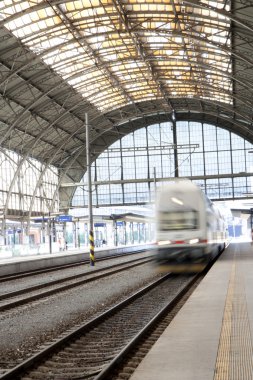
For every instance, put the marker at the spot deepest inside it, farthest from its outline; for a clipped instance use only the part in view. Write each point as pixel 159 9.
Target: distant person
pixel 252 236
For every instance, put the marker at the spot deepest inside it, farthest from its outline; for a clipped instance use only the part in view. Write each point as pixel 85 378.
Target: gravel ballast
pixel 27 328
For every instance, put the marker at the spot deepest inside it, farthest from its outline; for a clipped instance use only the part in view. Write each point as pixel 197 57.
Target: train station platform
pixel 211 336
pixel 23 264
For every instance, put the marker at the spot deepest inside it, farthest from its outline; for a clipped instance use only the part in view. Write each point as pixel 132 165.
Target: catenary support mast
pixel 91 233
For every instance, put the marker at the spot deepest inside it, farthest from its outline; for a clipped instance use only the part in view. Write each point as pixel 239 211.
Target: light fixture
pixel 177 201
pixel 164 242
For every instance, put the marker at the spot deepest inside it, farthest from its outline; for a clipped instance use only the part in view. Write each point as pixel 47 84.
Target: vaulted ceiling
pixel 127 64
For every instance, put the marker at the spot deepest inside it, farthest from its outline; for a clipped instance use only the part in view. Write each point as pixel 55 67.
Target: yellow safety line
pixel 235 353
pixel 223 357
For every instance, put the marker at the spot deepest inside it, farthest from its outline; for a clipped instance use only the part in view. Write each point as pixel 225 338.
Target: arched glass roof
pixel 126 64
pixel 118 52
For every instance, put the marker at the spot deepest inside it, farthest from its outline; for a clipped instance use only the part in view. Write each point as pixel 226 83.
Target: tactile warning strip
pixel 235 352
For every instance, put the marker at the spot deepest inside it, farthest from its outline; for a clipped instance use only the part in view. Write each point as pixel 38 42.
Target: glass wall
pixel 27 185
pixel 214 158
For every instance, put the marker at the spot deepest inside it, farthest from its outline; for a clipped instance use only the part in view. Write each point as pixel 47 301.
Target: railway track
pixel 25 295
pixel 92 350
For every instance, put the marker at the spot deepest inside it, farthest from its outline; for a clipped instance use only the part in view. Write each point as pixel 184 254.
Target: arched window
pixel 214 158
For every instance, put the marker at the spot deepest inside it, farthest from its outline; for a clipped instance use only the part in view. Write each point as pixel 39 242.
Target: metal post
pixel 74 233
pixel 154 180
pixel 132 232
pixel 4 230
pixel 50 233
pixel 125 233
pixel 64 236
pixel 116 233
pixel 43 230
pixel 91 234
pixel 78 234
pixel 174 128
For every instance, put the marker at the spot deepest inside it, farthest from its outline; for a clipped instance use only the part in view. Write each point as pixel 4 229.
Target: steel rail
pixel 18 371
pixel 34 272
pixel 108 371
pixel 34 297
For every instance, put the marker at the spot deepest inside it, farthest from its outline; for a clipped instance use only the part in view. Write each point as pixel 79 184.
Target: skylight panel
pixel 88 39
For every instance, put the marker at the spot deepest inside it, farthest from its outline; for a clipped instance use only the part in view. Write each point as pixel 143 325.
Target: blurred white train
pixel 190 230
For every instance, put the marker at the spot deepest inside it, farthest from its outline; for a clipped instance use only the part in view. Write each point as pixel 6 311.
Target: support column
pixel 43 230
pixel 125 233
pixel 4 230
pixel 91 233
pixel 78 233
pixel 74 234
pixel 132 232
pixel 49 233
pixel 174 128
pixel 116 233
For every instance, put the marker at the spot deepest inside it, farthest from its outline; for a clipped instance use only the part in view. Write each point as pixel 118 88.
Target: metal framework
pixel 129 172
pixel 128 64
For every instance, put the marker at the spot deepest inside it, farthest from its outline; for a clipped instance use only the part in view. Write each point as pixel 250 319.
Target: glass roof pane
pixel 129 50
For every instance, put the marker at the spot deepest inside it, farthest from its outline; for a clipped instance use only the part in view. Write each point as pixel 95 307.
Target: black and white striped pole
pixel 91 234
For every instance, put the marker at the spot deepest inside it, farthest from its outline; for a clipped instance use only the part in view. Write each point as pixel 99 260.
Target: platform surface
pixel 21 264
pixel 211 336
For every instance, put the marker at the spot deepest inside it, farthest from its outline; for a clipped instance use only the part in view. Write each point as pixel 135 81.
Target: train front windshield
pixel 182 220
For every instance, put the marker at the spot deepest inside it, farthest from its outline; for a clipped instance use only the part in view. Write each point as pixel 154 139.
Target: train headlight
pixel 193 241
pixel 164 242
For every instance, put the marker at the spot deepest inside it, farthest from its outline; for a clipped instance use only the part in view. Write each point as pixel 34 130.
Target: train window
pixel 183 220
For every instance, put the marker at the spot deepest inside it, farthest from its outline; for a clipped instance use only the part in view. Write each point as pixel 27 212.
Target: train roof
pixel 180 184
pixel 180 193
